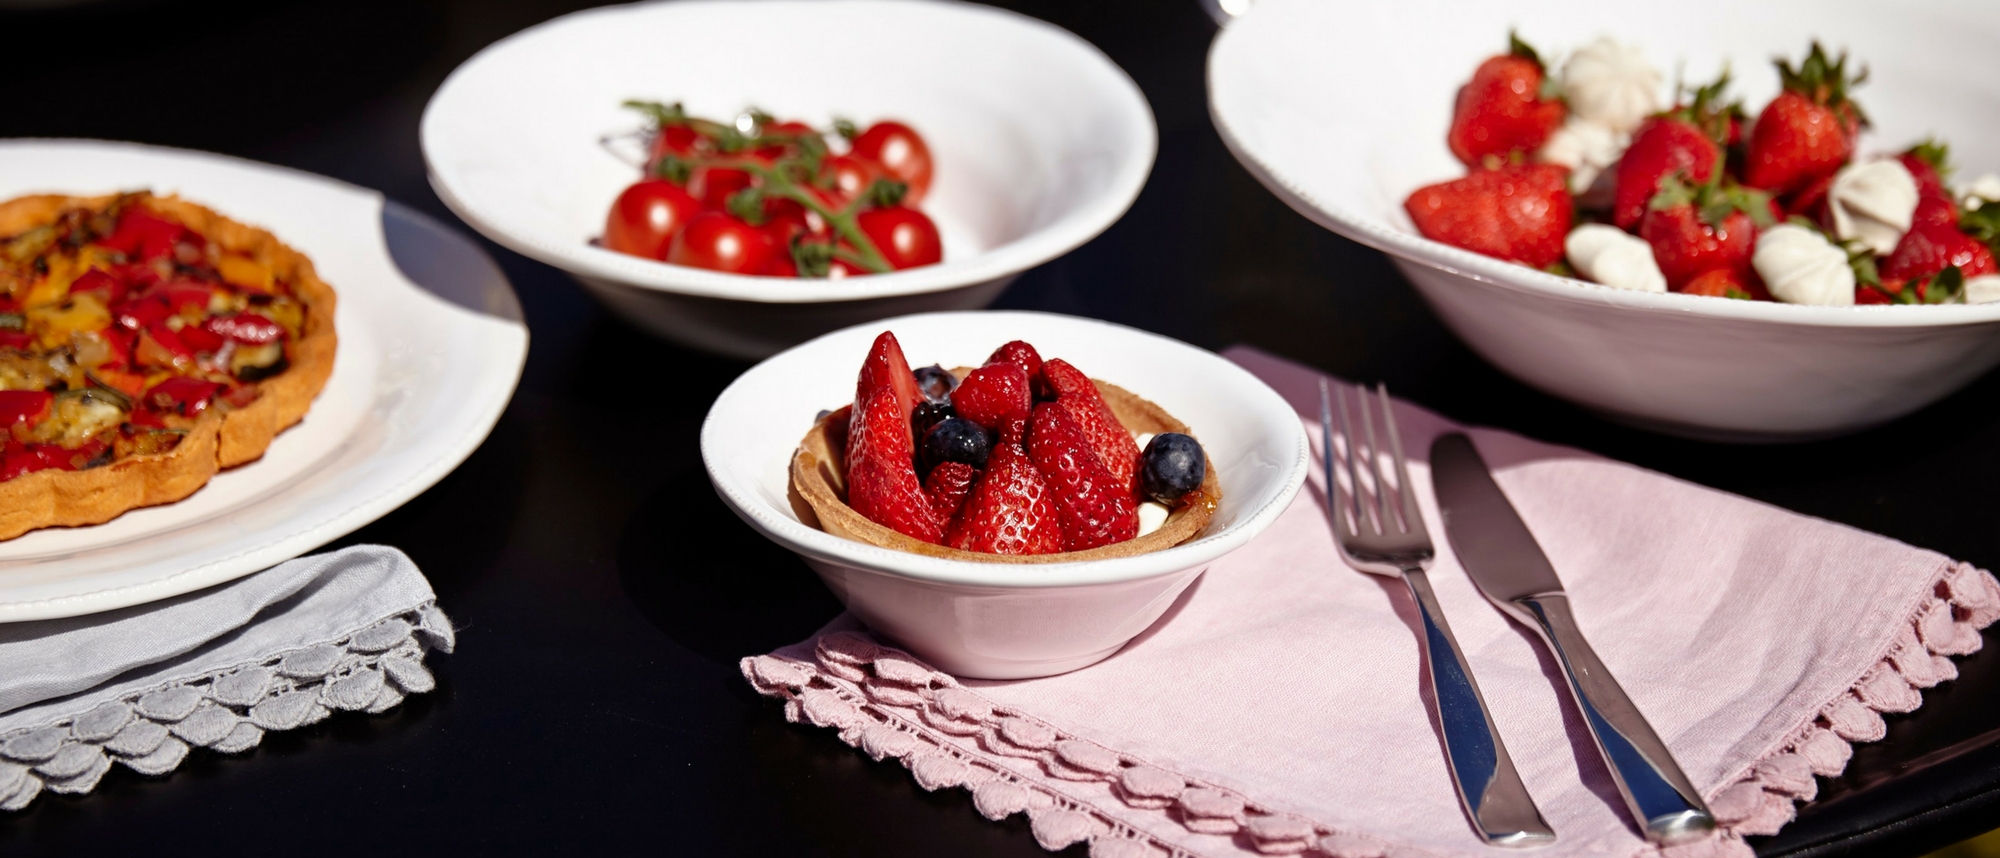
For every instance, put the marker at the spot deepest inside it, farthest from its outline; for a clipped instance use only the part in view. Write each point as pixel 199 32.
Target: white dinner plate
pixel 431 345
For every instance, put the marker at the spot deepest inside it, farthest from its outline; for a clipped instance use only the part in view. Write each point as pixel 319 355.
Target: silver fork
pixel 1386 536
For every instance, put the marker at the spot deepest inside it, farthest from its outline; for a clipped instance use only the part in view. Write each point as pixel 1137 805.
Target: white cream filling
pixel 1609 82
pixel 1611 256
pixel 1151 515
pixel 1801 267
pixel 1873 202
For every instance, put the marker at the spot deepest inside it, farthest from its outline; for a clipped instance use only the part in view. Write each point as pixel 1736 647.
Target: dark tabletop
pixel 605 594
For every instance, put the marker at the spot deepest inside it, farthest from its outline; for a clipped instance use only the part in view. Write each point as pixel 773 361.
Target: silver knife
pixel 1503 559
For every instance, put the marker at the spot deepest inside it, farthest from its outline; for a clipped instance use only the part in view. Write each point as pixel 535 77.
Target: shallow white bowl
pixel 990 620
pixel 1040 141
pixel 1341 110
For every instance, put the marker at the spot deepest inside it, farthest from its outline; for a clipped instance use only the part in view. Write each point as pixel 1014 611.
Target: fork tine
pixel 1413 520
pixel 1383 509
pixel 1355 490
pixel 1335 505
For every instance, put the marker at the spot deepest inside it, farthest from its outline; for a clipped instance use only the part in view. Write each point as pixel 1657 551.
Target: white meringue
pixel 1801 266
pixel 1587 147
pixel 1984 289
pixel 1612 83
pixel 1873 202
pixel 1611 256
pixel 1985 189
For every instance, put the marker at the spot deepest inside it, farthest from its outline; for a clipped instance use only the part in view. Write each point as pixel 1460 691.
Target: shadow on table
pixel 702 576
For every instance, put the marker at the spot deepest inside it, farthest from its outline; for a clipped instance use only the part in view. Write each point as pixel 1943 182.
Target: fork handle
pixel 1656 791
pixel 1488 786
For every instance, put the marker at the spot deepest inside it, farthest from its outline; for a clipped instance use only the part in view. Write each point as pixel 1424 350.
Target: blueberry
pixel 926 415
pixel 1172 466
pixel 935 382
pixel 956 439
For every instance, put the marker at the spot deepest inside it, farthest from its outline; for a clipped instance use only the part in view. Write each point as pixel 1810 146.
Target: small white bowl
pixel 1345 135
pixel 1040 142
pixel 992 620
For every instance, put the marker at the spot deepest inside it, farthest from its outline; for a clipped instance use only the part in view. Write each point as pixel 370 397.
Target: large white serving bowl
pixel 992 620
pixel 1040 142
pixel 1341 109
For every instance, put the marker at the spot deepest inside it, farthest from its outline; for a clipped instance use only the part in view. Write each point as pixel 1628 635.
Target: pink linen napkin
pixel 1278 707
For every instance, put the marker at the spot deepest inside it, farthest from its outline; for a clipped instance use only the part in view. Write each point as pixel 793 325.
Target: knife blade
pixel 1499 553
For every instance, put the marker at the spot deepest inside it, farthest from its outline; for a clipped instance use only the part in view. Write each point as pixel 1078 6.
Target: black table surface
pixel 605 594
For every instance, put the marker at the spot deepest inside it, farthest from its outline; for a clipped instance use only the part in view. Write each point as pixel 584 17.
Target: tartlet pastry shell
pixel 217 439
pixel 819 488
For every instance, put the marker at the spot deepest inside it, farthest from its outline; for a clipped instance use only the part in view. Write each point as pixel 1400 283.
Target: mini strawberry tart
pixel 1584 171
pixel 1018 461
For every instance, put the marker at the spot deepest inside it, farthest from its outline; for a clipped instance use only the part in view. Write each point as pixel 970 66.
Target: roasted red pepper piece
pixel 19 340
pixel 140 313
pixel 179 295
pixel 95 280
pixel 245 328
pixel 19 459
pixel 160 347
pixel 24 407
pixel 181 395
pixel 201 340
pixel 142 234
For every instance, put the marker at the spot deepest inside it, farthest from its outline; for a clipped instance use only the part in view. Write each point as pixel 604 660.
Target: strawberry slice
pixel 949 484
pixel 1095 507
pixel 1108 439
pixel 881 472
pixel 992 394
pixel 1011 510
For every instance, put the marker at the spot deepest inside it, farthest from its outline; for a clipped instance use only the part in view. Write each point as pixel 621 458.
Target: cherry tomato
pixel 719 242
pixel 646 217
pixel 714 185
pixel 781 264
pixel 902 153
pixel 906 237
pixel 677 140
pixel 850 176
pixel 790 128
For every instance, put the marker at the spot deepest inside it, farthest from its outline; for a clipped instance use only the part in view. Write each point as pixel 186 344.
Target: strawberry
pixel 1721 283
pixel 881 473
pixel 1021 354
pixel 949 484
pixel 1808 131
pixel 1698 229
pixel 1011 510
pixel 1520 213
pixel 1508 107
pixel 1929 248
pixel 1929 162
pixel 1095 507
pixel 992 394
pixel 1683 140
pixel 1108 438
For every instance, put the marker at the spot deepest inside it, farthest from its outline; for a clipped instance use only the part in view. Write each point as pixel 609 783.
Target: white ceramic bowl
pixel 1341 109
pixel 1040 143
pixel 991 620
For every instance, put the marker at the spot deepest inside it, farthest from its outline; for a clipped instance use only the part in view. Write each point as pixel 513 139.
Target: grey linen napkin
pixel 215 668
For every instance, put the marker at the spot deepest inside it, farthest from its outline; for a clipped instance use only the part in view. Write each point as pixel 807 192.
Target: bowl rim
pixel 816 544
pixel 1379 234
pixel 1122 99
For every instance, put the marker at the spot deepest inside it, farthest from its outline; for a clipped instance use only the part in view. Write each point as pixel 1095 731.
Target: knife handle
pixel 1488 786
pixel 1657 792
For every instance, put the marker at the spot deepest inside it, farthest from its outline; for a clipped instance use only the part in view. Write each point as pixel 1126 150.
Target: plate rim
pixel 257 553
